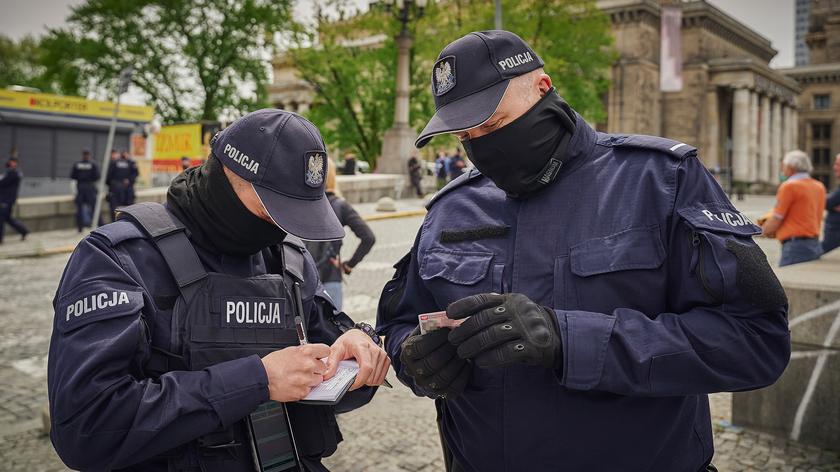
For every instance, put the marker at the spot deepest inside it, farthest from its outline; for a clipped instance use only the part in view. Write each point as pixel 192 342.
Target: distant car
pixel 362 167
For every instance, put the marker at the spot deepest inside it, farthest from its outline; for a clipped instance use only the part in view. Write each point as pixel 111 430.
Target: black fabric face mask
pixel 203 199
pixel 525 155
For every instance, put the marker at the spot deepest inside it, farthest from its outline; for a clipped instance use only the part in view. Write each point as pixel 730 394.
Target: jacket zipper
pixel 701 267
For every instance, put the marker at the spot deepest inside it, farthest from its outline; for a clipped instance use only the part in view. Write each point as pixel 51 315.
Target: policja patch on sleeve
pixel 80 308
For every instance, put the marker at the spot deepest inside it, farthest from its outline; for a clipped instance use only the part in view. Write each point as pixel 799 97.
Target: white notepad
pixel 330 391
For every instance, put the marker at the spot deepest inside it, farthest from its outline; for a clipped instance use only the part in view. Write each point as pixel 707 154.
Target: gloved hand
pixel 434 364
pixel 505 329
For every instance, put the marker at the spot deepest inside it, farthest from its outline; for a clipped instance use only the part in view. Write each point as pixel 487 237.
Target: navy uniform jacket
pixel 122 169
pixel 9 185
pixel 106 413
pixel 659 292
pixel 85 172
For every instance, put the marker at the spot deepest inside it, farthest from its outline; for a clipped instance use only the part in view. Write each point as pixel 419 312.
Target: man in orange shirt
pixel 798 213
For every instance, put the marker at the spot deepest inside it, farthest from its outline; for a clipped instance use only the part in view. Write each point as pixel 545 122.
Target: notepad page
pixel 329 390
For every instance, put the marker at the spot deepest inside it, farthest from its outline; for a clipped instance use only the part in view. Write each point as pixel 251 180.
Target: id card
pixel 272 442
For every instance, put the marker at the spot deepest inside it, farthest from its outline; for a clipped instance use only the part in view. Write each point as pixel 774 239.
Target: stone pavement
pixel 395 433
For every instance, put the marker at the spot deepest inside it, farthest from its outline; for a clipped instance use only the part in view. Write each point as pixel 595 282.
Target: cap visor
pixel 313 220
pixel 463 114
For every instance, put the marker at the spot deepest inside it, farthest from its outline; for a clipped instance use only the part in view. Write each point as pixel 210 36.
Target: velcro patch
pixel 718 216
pixel 77 311
pixel 474 234
pixel 253 312
pixel 755 278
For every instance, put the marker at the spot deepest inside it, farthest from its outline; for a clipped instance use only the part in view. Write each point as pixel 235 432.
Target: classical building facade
pixel 738 112
pixel 819 103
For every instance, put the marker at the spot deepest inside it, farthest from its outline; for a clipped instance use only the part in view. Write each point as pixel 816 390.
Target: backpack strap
pixel 171 240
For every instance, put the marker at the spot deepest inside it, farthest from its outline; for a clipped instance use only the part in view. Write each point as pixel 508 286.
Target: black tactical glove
pixel 434 364
pixel 504 330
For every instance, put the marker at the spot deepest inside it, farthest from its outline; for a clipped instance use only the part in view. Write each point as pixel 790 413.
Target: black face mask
pixel 203 199
pixel 525 155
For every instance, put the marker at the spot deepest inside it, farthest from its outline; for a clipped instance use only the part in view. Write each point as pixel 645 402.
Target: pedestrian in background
pixel 121 175
pixel 349 164
pixel 457 165
pixel 441 167
pixel 798 213
pixel 327 254
pixel 831 236
pixel 186 163
pixel 86 174
pixel 9 186
pixel 132 178
pixel 415 174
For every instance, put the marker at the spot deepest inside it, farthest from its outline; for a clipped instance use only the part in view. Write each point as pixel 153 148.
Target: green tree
pixel 25 63
pixel 194 59
pixel 355 84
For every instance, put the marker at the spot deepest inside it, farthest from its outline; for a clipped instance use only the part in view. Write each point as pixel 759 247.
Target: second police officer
pixel 122 173
pixel 607 283
pixel 86 175
pixel 175 323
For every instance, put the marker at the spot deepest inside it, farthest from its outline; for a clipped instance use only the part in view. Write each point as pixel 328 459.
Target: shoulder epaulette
pixel 668 146
pixel 459 181
pixel 119 231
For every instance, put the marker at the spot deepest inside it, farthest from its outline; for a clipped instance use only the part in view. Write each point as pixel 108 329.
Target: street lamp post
pixel 122 86
pixel 398 141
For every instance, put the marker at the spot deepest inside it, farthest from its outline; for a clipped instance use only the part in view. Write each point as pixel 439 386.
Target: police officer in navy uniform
pixel 122 172
pixel 86 175
pixel 605 283
pixel 176 322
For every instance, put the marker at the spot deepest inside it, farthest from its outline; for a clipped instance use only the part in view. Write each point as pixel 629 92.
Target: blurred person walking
pixel 327 254
pixel 9 186
pixel 795 220
pixel 457 165
pixel 86 174
pixel 349 167
pixel 441 169
pixel 415 174
pixel 831 237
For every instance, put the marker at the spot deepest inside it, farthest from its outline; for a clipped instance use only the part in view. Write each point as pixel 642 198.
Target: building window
pixel 822 101
pixel 821 131
pixel 821 156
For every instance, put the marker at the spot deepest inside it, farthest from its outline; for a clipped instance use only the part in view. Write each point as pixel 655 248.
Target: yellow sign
pixel 77 106
pixel 176 141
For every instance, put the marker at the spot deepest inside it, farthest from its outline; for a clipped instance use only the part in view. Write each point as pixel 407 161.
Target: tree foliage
pixel 193 59
pixel 354 84
pixel 26 63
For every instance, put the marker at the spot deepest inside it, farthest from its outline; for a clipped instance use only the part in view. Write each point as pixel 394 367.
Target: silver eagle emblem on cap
pixel 315 170
pixel 444 75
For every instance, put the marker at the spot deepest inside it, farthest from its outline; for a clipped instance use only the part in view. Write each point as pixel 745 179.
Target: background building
pixel 707 83
pixel 803 15
pixel 49 132
pixel 819 123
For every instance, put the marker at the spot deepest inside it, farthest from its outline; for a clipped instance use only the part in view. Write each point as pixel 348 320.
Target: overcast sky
pixel 773 19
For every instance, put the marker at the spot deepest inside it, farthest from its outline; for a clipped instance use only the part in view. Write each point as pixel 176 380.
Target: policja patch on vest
pixel 443 75
pixel 253 312
pixel 315 168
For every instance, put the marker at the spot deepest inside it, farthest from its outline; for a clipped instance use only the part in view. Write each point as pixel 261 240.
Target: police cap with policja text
pixel 283 156
pixel 470 78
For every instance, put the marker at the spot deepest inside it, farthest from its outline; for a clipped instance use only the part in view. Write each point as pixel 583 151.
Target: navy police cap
pixel 283 156
pixel 470 77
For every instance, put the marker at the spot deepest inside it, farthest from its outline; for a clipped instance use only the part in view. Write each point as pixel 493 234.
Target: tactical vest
pixel 219 317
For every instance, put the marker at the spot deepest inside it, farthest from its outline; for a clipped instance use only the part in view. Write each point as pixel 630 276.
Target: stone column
pixel 776 131
pixel 794 127
pixel 398 141
pixel 711 152
pixel 764 166
pixel 787 134
pixel 752 150
pixel 740 134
